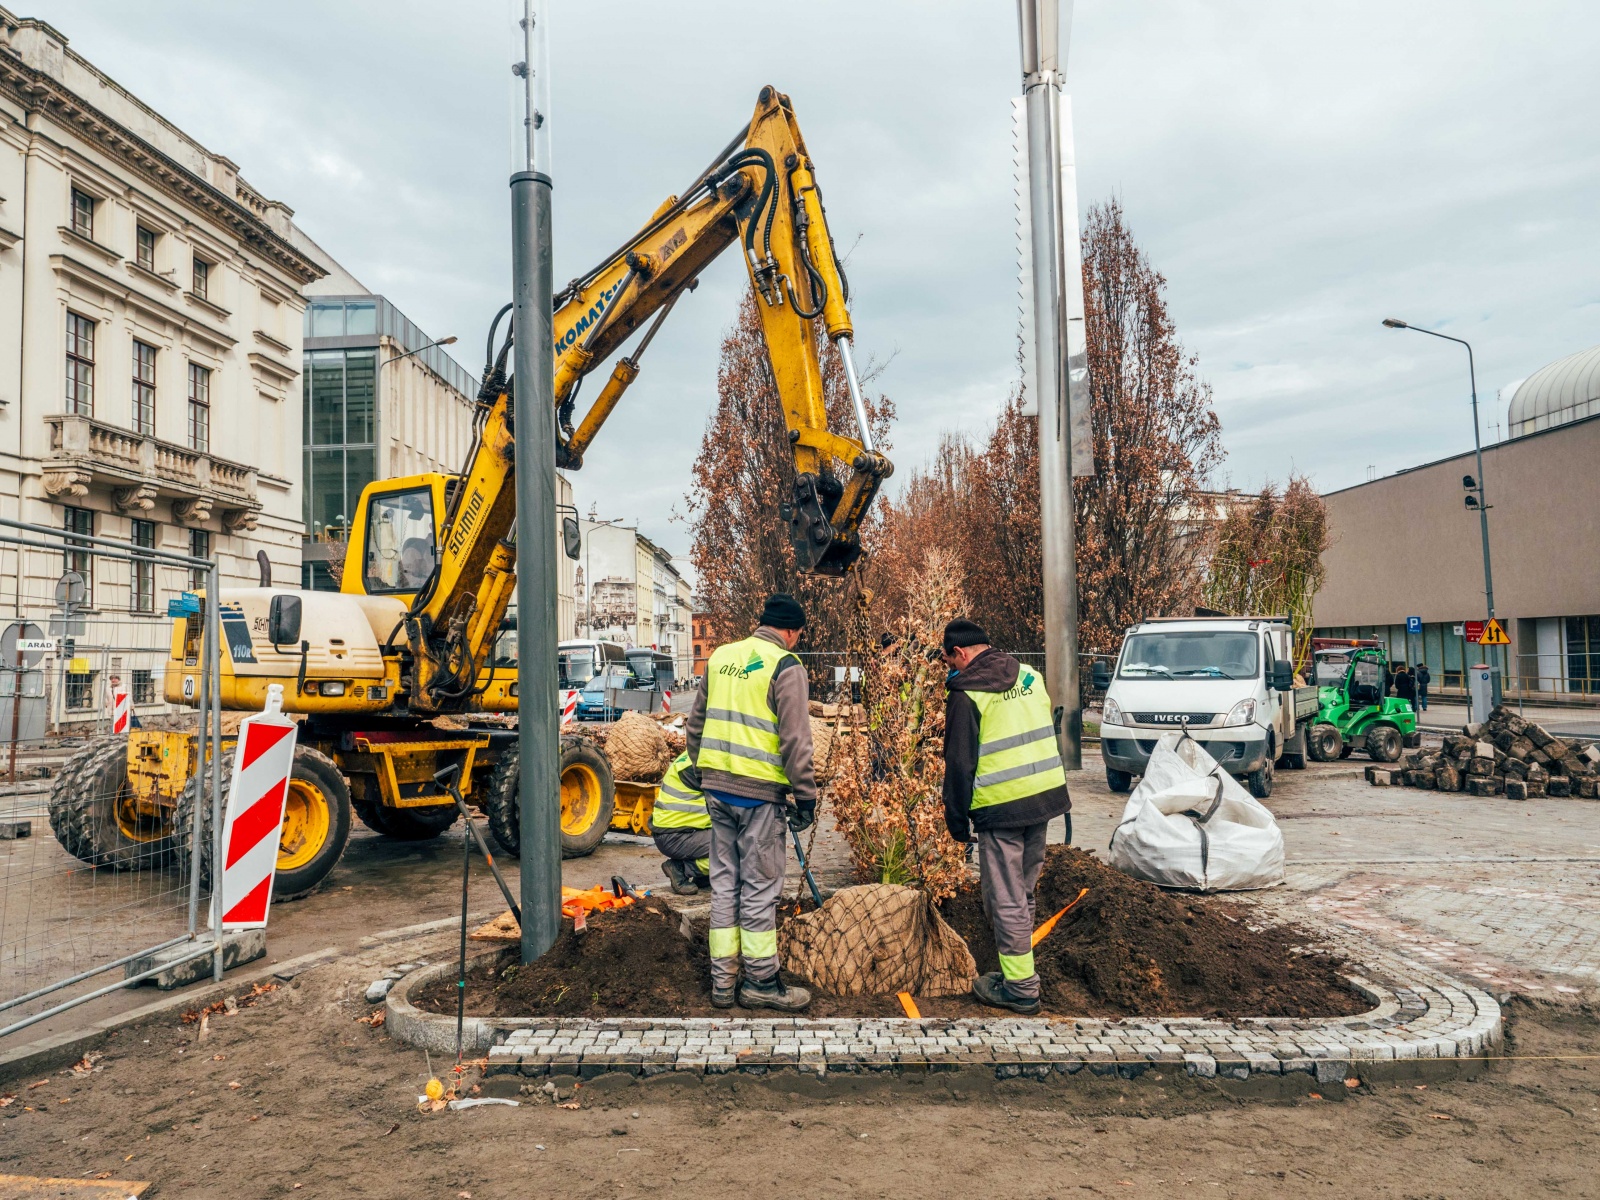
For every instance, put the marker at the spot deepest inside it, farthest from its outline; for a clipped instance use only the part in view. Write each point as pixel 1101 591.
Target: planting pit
pixel 1127 949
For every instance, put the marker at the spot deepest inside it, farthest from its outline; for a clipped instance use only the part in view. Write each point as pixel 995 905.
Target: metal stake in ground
pixel 461 975
pixel 447 779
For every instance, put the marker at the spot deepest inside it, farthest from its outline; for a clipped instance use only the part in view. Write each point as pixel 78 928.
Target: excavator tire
pixel 316 823
pixel 588 798
pixel 406 824
pixel 92 816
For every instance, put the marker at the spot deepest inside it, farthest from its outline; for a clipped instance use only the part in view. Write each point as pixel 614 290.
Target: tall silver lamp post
pixel 539 731
pixel 1041 27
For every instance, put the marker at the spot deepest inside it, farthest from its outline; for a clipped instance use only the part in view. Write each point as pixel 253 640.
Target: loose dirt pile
pixel 1126 949
pixel 1130 949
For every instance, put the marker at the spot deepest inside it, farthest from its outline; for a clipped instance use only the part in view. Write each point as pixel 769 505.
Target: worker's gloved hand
pixel 691 777
pixel 802 817
pixel 961 832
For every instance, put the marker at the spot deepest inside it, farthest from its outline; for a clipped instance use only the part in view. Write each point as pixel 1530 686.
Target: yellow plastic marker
pixel 910 1005
pixel 1040 933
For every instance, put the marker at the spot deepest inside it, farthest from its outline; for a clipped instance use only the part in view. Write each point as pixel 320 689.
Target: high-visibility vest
pixel 1018 754
pixel 678 806
pixel 741 731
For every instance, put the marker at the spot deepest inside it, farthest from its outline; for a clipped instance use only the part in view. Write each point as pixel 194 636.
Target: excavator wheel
pixel 315 830
pixel 588 798
pixel 93 816
pixel 404 824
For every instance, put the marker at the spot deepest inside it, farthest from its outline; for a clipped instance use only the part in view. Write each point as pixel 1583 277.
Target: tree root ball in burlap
pixel 877 939
pixel 638 749
pixel 822 741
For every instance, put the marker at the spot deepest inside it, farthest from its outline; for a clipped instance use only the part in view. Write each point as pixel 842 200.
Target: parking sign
pixel 1413 624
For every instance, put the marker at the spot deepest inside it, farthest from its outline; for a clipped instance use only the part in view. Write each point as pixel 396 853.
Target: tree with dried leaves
pixel 1268 558
pixel 1143 517
pixel 888 781
pixel 745 470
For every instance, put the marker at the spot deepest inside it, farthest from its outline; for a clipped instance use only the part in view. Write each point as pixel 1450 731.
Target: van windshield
pixel 1191 654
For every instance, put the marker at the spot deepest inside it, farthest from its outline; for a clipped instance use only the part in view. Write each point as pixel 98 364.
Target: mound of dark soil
pixel 1130 949
pixel 1127 949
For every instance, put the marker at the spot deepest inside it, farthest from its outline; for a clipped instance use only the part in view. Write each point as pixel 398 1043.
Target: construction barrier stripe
pixel 261 820
pixel 1009 773
pixel 253 908
pixel 260 739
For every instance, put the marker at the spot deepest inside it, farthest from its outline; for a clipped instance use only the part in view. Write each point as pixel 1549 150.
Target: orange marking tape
pixel 1040 933
pixel 910 1005
pixel 595 899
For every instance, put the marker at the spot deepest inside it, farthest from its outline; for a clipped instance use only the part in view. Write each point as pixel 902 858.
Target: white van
pixel 1228 680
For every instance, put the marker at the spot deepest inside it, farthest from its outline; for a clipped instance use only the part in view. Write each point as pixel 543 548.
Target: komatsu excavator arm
pixel 760 192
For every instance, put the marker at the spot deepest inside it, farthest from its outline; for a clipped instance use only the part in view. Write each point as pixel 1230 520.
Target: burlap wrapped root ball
pixel 877 939
pixel 638 749
pixel 822 742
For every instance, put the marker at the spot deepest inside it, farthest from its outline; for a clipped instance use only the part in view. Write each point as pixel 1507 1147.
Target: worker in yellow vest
pixel 682 830
pixel 1003 782
pixel 749 738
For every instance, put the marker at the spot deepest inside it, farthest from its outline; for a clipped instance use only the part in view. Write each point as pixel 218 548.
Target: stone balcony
pixel 137 469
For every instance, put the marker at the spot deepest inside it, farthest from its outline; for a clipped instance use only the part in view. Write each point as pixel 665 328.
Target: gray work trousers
pixel 748 857
pixel 1009 862
pixel 689 846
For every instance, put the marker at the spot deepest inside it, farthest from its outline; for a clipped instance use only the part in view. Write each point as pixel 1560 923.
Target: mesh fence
pixel 95 869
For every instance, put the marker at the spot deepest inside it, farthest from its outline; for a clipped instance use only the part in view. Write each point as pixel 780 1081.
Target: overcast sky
pixel 1296 171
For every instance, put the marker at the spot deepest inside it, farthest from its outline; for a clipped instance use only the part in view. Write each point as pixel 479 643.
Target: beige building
pixel 150 317
pixel 1407 546
pixel 639 598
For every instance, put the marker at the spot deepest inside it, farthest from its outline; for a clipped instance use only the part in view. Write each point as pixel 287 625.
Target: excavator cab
pixel 394 540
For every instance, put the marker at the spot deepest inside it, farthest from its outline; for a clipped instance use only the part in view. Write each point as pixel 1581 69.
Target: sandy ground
pixel 294 1097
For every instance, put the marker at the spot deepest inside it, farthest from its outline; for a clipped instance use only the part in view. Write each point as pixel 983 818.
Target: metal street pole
pixel 1477 450
pixel 539 730
pixel 1041 27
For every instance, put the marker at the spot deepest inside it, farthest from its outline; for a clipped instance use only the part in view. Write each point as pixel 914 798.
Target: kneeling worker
pixel 749 738
pixel 682 829
pixel 1003 779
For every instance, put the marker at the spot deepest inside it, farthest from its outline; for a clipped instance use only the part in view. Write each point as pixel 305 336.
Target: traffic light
pixel 69 647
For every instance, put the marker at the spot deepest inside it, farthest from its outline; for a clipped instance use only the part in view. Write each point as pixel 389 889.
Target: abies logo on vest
pixel 754 663
pixel 1023 687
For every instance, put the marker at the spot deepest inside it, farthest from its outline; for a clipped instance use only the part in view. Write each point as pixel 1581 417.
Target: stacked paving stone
pixel 1505 755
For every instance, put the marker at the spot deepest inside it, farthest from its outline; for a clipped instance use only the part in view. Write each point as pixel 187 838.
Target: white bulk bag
pixel 1189 824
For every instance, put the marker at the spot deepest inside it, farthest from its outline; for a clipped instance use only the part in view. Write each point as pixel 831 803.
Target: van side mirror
pixel 1100 675
pixel 1282 675
pixel 571 537
pixel 283 621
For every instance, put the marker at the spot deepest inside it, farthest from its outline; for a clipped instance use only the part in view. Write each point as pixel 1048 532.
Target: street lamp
pixel 1476 498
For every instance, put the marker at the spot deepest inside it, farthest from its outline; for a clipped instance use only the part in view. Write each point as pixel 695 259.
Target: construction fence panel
pixel 95 873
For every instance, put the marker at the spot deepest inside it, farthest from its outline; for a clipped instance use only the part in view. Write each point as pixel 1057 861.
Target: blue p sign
pixel 1413 624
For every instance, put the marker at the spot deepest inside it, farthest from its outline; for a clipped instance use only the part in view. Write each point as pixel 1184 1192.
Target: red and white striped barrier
pixel 569 706
pixel 666 700
pixel 261 766
pixel 121 710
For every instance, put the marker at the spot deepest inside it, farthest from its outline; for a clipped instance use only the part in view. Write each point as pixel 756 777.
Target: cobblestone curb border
pixel 1418 1015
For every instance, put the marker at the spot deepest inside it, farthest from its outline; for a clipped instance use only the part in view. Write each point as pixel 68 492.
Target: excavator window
pixel 400 542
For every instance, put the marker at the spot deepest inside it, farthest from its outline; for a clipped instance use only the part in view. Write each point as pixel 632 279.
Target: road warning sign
pixel 256 797
pixel 1493 634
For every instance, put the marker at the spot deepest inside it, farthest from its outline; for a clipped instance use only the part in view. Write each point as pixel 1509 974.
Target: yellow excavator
pixel 391 671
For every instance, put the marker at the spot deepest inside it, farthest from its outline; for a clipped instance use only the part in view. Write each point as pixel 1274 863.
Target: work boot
pixel 992 989
pixel 773 993
pixel 703 882
pixel 722 997
pixel 681 878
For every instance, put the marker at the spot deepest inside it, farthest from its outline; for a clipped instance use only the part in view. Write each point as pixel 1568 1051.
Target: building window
pixel 80 365
pixel 202 279
pixel 80 521
pixel 340 429
pixel 1583 654
pixel 82 214
pixel 199 547
pixel 199 407
pixel 144 686
pixel 143 579
pixel 145 247
pixel 144 388
pixel 80 690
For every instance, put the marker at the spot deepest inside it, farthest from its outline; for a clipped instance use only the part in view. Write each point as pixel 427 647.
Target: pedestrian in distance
pixel 1003 782
pixel 1424 679
pixel 749 746
pixel 1405 684
pixel 681 827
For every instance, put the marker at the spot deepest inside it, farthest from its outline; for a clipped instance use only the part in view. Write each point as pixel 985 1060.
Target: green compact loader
pixel 1357 713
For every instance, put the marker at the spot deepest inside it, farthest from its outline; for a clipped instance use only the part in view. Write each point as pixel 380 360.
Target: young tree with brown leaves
pixel 745 470
pixel 1142 517
pixel 1268 558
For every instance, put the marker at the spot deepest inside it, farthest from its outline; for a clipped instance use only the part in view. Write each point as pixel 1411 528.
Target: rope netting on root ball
pixel 878 939
pixel 888 778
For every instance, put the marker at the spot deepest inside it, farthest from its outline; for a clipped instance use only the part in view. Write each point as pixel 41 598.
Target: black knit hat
pixel 962 632
pixel 783 611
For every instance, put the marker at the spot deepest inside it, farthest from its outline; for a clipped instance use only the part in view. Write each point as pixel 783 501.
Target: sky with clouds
pixel 1296 171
